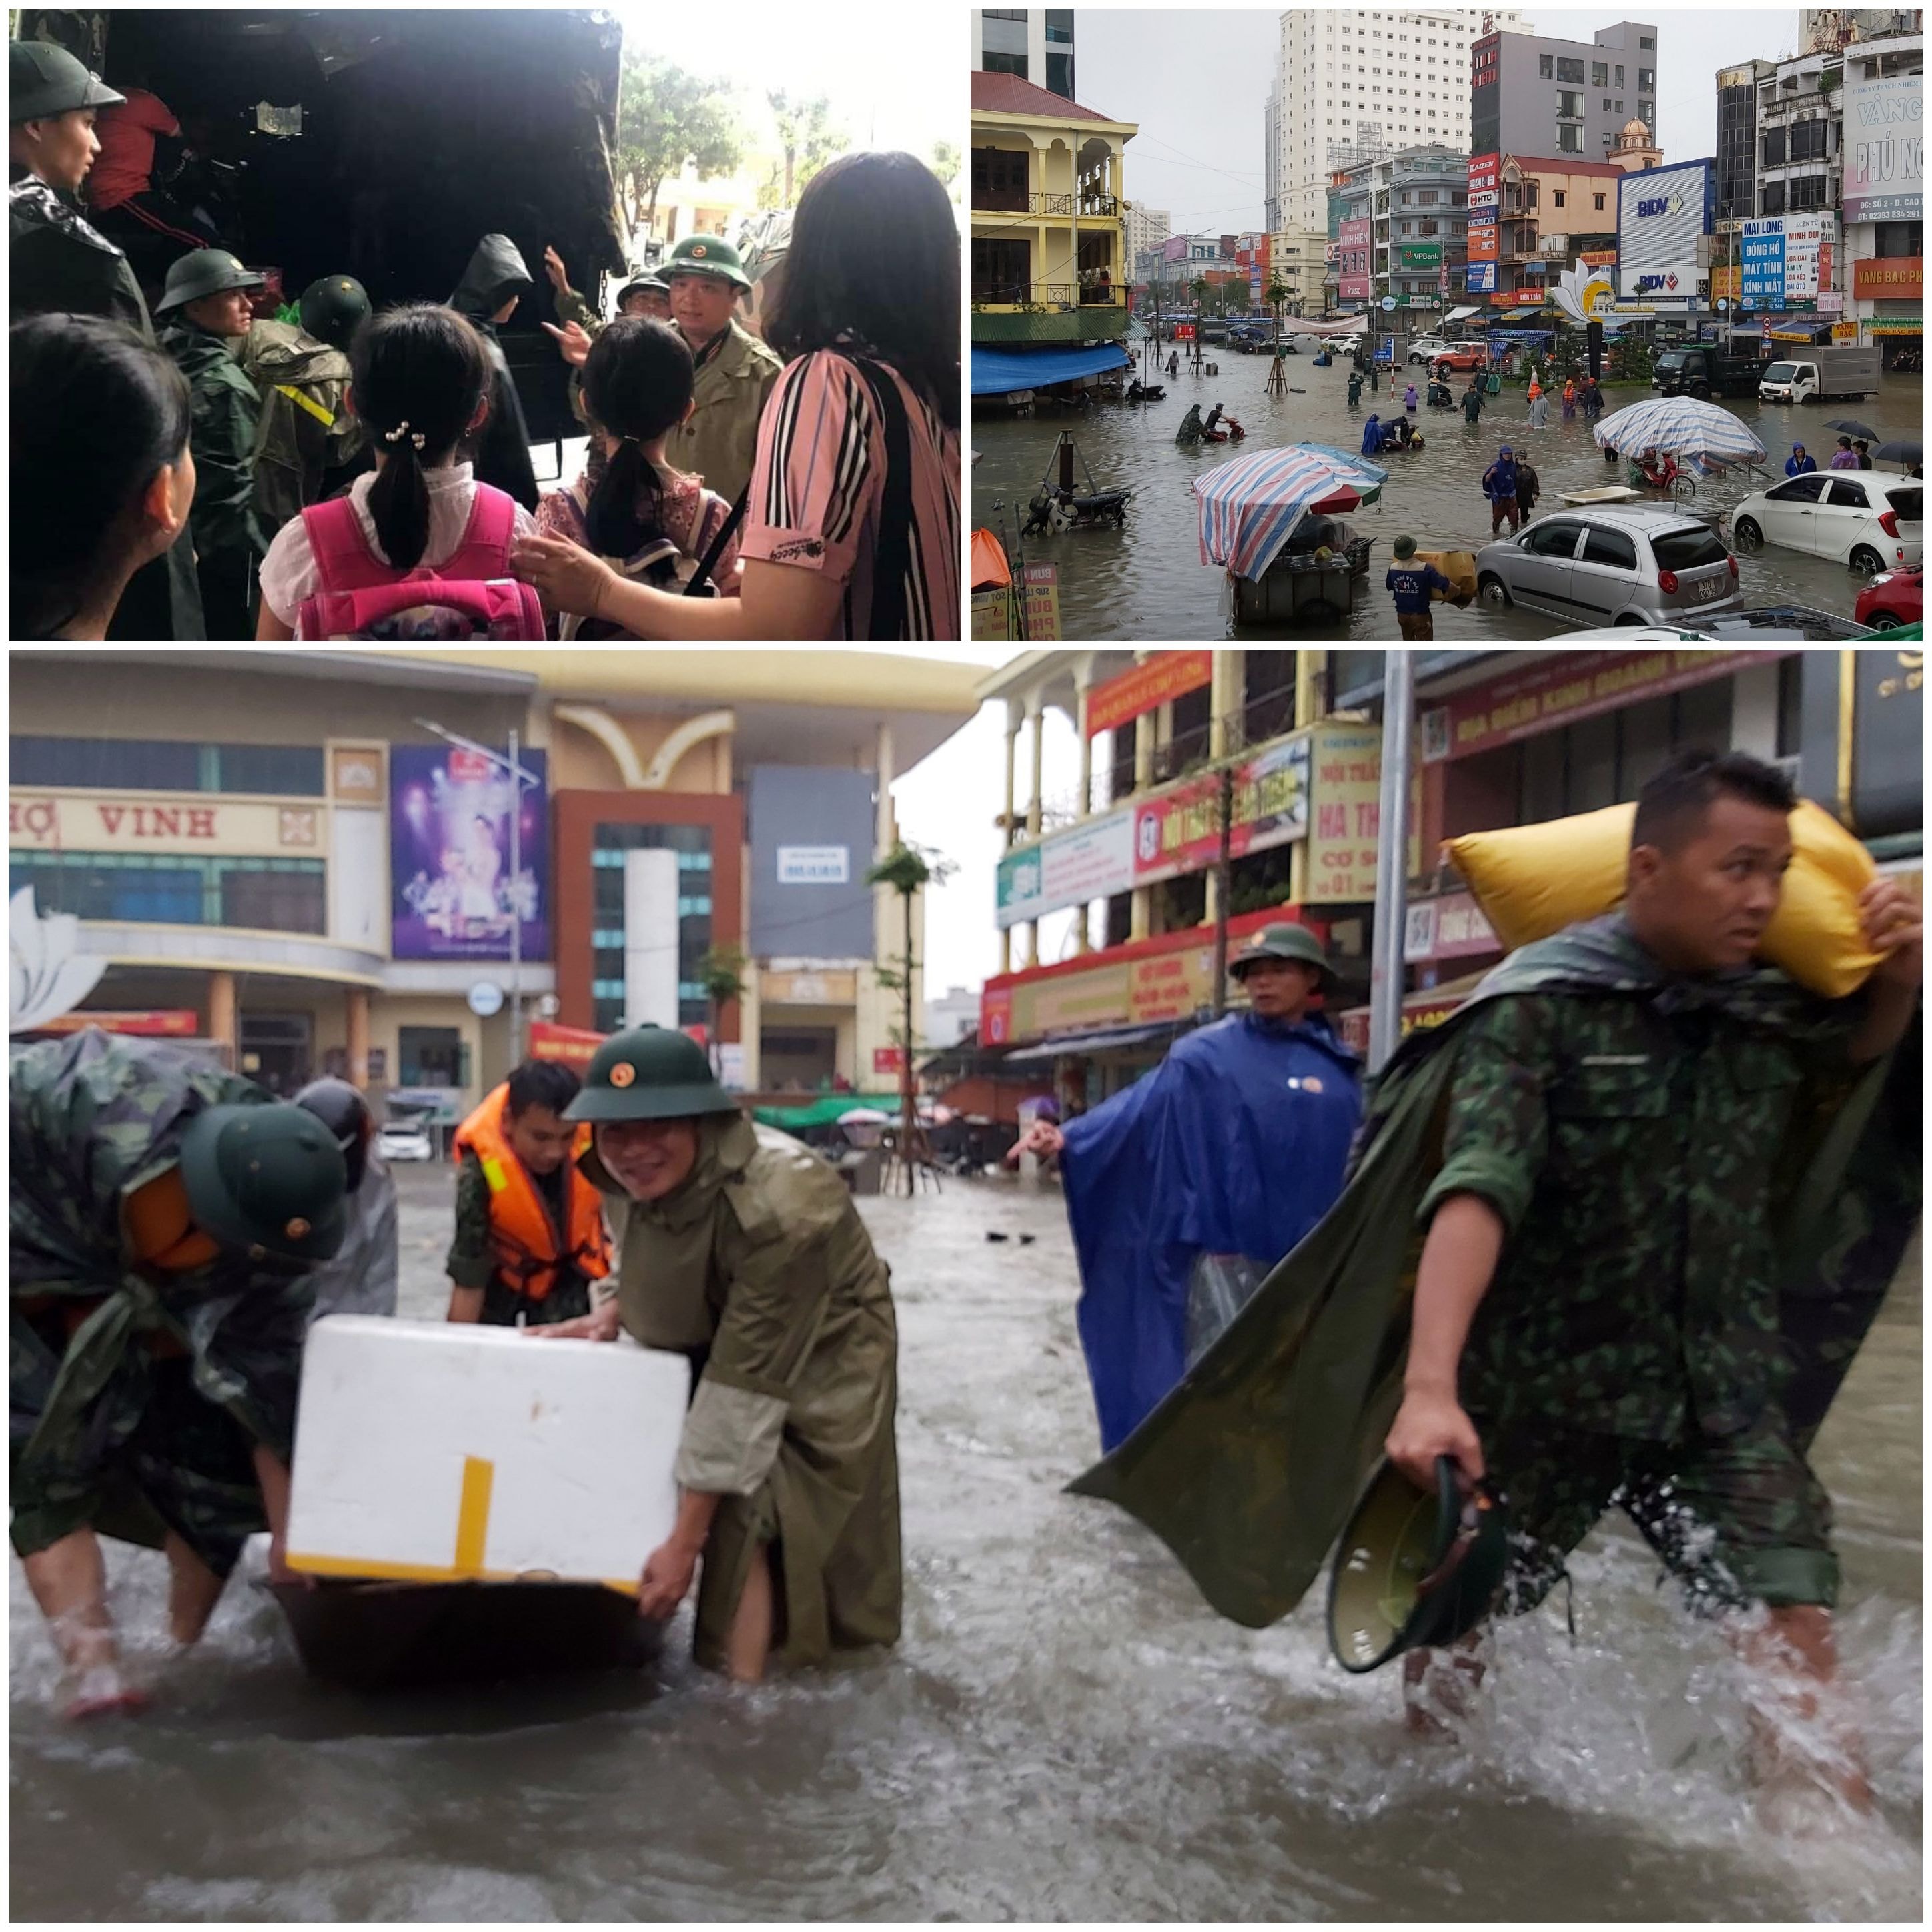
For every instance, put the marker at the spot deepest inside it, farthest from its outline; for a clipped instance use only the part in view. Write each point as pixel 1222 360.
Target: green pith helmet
pixel 649 1073
pixel 270 1178
pixel 205 272
pixel 44 80
pixel 652 284
pixel 1413 1571
pixel 1284 941
pixel 334 308
pixel 706 255
pixel 1405 547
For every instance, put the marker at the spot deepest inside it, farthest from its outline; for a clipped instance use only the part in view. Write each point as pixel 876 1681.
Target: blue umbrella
pixel 1250 505
pixel 1700 433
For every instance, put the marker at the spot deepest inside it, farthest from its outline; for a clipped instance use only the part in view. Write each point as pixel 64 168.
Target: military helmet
pixel 204 271
pixel 268 1178
pixel 652 284
pixel 44 80
pixel 333 308
pixel 1413 1571
pixel 1285 940
pixel 649 1073
pixel 706 255
pixel 341 1108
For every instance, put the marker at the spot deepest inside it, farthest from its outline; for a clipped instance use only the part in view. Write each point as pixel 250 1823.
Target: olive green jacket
pixel 759 1269
pixel 226 411
pixel 719 439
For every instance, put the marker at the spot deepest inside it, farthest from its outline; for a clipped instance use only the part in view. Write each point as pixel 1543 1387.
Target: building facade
pixel 1403 229
pixel 1882 213
pixel 1737 137
pixel 1148 228
pixel 1550 210
pixel 1035 44
pixel 1533 94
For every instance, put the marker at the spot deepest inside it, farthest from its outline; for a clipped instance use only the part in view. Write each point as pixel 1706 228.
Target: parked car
pixel 1349 345
pixel 1787 624
pixel 405 1140
pixel 1892 599
pixel 1427 348
pixel 1861 517
pixel 1620 564
pixel 1461 357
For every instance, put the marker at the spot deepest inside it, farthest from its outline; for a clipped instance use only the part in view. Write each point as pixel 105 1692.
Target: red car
pixel 1891 598
pixel 1465 356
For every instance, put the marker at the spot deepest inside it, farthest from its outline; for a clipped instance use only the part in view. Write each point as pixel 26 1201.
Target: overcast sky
pixel 1197 82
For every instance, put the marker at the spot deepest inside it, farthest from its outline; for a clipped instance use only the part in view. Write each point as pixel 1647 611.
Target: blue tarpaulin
pixel 997 372
pixel 1234 1145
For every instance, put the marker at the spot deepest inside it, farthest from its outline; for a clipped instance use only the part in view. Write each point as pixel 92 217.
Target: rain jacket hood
pixel 496 271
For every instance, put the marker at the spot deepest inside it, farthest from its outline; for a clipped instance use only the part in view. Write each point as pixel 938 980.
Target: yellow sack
pixel 1531 881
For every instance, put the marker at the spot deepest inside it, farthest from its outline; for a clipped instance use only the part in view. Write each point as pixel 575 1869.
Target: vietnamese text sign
pixel 1785 258
pixel 1888 278
pixel 1662 214
pixel 1347 763
pixel 1039 613
pixel 155 822
pixel 1085 863
pixel 1357 280
pixel 1485 171
pixel 1179 830
pixel 814 865
pixel 1885 147
pixel 1166 675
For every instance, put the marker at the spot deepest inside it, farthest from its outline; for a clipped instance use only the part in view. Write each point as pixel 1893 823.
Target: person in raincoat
pixel 206 302
pixel 718 441
pixel 1372 434
pixel 1472 400
pixel 1569 399
pixel 1189 1186
pixel 752 1262
pixel 164 1215
pixel 363 1274
pixel 309 443
pixel 1354 387
pixel 1539 405
pixel 1593 399
pixel 491 287
pixel 1499 486
pixel 1191 428
pixel 1410 399
pixel 1800 460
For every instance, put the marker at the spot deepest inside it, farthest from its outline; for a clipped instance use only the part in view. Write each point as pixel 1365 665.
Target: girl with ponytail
pixel 652 523
pixel 419 380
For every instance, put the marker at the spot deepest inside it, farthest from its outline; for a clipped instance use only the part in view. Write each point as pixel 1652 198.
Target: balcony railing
pixel 1106 206
pixel 1051 204
pixel 1026 294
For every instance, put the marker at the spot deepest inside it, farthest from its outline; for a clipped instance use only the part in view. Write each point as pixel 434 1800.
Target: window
pixel 1646 113
pixel 1569 140
pixel 1059 26
pixel 1647 43
pixel 1571 70
pixel 1808 141
pixel 1060 74
pixel 1688 549
pixel 1809 191
pixel 1599 200
pixel 1553 539
pixel 995 63
pixel 1848 496
pixel 274 894
pixel 1613 547
pixel 139 764
pixel 1000 181
pixel 266 895
pixel 1546 66
pixel 1571 105
pixel 692 844
pixel 1618 108
pixel 1620 76
pixel 1600 74
pixel 1606 104
pixel 1773 194
pixel 1646 76
pixel 431 1057
pixel 1558 197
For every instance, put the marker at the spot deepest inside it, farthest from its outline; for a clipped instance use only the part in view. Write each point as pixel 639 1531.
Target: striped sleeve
pixel 816 472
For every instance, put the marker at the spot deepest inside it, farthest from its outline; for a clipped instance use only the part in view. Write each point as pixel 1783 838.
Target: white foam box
pixel 438 1451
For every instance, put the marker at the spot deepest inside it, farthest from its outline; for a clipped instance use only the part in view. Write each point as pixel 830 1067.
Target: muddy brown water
pixel 1066 1732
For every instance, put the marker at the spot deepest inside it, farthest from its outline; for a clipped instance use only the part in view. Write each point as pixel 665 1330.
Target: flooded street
pixel 1147 583
pixel 1066 1731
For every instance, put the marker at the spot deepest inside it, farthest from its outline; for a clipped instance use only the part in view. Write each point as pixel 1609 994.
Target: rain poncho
pixel 1371 436
pixel 308 442
pixel 1234 1145
pixel 1191 427
pixel 227 411
pixel 362 1278
pixel 759 1269
pixel 501 451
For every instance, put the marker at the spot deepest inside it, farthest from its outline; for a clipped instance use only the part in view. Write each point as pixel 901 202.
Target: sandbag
pixel 1531 881
pixel 1460 567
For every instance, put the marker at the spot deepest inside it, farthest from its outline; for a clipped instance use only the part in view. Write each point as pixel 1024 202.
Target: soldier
pixel 307 444
pixel 164 1214
pixel 206 298
pixel 59 263
pixel 718 440
pixel 752 1262
pixel 1596 1315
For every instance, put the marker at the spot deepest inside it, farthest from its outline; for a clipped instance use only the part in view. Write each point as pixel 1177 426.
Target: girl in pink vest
pixel 420 380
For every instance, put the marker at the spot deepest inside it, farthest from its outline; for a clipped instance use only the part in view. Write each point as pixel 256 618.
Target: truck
pixel 384 145
pixel 1701 369
pixel 1818 374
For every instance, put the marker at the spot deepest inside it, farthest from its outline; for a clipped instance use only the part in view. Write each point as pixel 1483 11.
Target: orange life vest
pixel 524 1240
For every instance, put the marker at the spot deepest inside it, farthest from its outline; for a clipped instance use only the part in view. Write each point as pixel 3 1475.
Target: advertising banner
pixel 1784 259
pixel 1165 676
pixel 1484 180
pixel 1348 768
pixel 1480 278
pixel 1888 278
pixel 1885 148
pixel 1357 259
pixel 1485 240
pixel 1179 830
pixel 1420 254
pixel 452 895
pixel 1661 214
pixel 1072 868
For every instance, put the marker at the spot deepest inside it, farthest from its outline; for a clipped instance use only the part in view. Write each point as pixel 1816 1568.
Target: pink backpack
pixel 471 594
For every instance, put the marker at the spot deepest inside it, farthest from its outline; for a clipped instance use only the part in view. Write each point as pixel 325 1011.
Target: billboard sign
pixel 1179 831
pixel 1088 862
pixel 452 895
pixel 811 831
pixel 1885 146
pixel 1485 172
pixel 1784 259
pixel 1358 262
pixel 1662 215
pixel 1480 278
pixel 1166 675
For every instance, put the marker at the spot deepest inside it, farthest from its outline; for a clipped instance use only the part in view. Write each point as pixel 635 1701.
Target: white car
pixel 1867 518
pixel 1349 345
pixel 1427 348
pixel 405 1140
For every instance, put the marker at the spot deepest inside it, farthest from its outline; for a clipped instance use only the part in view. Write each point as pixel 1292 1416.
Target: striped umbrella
pixel 1250 505
pixel 1701 434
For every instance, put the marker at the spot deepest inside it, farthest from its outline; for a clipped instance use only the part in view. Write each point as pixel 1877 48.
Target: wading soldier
pixel 753 1262
pixel 164 1215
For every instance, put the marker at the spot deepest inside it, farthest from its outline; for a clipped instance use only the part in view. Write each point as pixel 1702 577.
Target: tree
pixel 1201 285
pixel 946 162
pixel 1274 295
pixel 722 973
pixel 809 137
pixel 907 869
pixel 667 118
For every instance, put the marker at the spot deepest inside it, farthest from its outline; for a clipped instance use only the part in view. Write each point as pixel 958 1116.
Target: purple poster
pixel 449 856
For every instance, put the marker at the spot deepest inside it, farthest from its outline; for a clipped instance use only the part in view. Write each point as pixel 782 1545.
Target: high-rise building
pixel 1881 274
pixel 1404 222
pixel 1148 228
pixel 1034 43
pixel 1350 85
pixel 1271 160
pixel 1535 95
pixel 1736 184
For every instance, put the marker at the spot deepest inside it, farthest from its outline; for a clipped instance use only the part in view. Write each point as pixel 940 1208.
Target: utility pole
pixel 908 1111
pixel 1391 861
pixel 1223 885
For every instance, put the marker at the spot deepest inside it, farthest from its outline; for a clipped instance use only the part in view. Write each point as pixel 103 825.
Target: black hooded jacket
pixel 501 450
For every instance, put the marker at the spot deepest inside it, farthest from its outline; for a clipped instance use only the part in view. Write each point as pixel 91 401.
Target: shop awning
pixel 822 1113
pixel 1896 324
pixel 998 372
pixel 1522 314
pixel 1461 314
pixel 1056 1044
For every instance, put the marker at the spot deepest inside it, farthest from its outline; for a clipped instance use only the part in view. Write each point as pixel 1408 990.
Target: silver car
pixel 1616 564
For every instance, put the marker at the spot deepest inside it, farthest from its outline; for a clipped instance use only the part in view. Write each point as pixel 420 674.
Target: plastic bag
pixel 1217 1291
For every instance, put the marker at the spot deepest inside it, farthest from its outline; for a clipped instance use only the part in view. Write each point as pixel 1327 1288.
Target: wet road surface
pixel 1066 1731
pixel 1146 583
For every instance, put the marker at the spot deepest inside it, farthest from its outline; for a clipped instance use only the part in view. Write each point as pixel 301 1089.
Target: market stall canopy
pixel 1250 505
pixel 1461 314
pixel 1699 434
pixel 998 372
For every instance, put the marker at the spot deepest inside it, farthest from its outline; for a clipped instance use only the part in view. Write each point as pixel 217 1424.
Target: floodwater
pixel 1146 583
pixel 1065 1732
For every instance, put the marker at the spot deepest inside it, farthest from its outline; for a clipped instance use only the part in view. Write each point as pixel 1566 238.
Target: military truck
pixel 384 144
pixel 1700 369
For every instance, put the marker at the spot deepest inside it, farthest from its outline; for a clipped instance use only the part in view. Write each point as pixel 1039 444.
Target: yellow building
pixel 1048 238
pixel 1297 257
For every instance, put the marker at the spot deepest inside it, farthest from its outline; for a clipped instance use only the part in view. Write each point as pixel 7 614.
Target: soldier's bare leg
pixel 1800 1741
pixel 1440 1687
pixel 749 1645
pixel 193 1590
pixel 69 1581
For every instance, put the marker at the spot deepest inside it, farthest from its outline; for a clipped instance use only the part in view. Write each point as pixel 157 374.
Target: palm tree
pixel 722 973
pixel 1201 287
pixel 1274 295
pixel 907 869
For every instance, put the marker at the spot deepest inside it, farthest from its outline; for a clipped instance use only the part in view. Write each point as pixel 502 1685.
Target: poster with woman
pixel 454 895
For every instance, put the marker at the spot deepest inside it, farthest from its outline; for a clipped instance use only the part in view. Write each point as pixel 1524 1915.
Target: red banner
pixel 1166 675
pixel 576 1046
pixel 162 1023
pixel 1885 278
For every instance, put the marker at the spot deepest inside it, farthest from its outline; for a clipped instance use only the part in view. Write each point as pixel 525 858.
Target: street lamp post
pixel 512 768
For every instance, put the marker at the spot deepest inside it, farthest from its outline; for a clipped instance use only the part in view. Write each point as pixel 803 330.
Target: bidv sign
pixel 1660 204
pixel 1661 215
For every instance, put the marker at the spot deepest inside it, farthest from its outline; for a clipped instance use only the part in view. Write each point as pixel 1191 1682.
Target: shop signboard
pixel 1783 260
pixel 1662 215
pixel 1480 279
pixel 192 822
pixel 1358 242
pixel 1485 176
pixel 1086 861
pixel 452 893
pixel 156 1023
pixel 1165 676
pixel 1178 830
pixel 1419 254
pixel 1888 278
pixel 1884 147
pixel 1450 927
pixel 1040 587
pixel 1887 741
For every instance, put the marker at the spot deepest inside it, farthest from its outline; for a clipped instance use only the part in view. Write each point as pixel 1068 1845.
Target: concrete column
pixel 224 1019
pixel 1036 718
pixel 355 1004
pixel 1083 685
pixel 1013 748
pixel 650 937
pixel 1141 913
pixel 887 835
